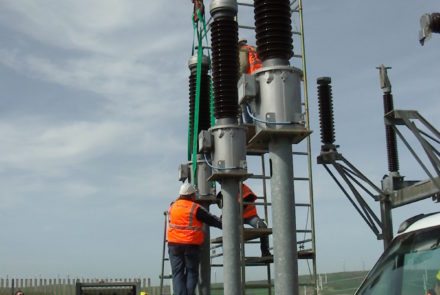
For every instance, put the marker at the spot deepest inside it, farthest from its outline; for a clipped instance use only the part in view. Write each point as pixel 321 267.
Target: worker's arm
pixel 204 216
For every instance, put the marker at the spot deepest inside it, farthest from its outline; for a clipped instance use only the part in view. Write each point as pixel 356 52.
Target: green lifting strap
pixel 196 111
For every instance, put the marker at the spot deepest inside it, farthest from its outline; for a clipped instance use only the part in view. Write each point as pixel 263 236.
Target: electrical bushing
pixel 325 101
pixel 228 154
pixel 224 50
pixel 205 94
pixel 273 29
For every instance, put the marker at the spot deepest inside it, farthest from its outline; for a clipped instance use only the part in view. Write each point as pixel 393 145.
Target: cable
pixel 217 168
pixel 248 109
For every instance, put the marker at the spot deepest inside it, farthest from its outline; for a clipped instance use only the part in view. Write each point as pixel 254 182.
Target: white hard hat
pixel 187 189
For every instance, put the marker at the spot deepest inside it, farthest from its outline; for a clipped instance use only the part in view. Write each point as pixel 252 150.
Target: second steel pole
pixel 283 217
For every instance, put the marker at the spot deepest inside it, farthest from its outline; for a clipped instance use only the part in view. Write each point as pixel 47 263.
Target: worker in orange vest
pixel 249 60
pixel 250 216
pixel 185 235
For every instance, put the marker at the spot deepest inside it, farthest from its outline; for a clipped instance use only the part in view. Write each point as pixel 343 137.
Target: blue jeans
pixel 184 260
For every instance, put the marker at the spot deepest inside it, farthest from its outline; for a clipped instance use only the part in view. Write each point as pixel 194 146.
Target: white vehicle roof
pixel 419 222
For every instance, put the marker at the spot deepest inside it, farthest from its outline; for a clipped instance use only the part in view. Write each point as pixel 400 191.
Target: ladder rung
pixel 303 230
pixel 300 153
pixel 301 178
pixel 304 241
pixel 306 254
pixel 217 255
pixel 302 205
pixel 166 277
pixel 258 261
pixel 306 284
pixel 215 247
pixel 259 177
pixel 297 55
pixel 296 33
pixel 216 265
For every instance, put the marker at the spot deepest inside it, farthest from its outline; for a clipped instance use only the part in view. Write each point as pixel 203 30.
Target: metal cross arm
pixel 355 185
pixel 429 138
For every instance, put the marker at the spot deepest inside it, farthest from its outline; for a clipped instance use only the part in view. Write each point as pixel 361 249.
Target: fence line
pixel 65 286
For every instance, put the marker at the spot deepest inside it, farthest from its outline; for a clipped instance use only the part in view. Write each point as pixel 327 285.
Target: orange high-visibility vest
pixel 184 227
pixel 250 210
pixel 254 60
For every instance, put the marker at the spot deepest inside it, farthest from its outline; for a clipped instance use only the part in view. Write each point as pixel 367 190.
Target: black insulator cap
pixel 273 29
pixel 393 160
pixel 435 22
pixel 224 50
pixel 325 101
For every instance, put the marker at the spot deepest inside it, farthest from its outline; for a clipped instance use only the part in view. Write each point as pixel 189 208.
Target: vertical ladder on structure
pixel 303 182
pixel 162 276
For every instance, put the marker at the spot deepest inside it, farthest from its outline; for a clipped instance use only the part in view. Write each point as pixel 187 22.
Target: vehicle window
pixel 408 267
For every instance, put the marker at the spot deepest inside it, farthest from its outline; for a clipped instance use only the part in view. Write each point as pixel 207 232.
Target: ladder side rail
pixel 163 252
pixel 309 152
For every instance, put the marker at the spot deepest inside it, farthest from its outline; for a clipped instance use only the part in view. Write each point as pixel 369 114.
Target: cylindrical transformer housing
pixel 229 138
pixel 280 97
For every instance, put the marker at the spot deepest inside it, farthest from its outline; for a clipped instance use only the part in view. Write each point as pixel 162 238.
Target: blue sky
pixel 93 125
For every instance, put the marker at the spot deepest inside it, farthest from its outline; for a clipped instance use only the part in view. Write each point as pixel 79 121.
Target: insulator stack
pixel 325 101
pixel 224 39
pixel 435 22
pixel 393 160
pixel 204 103
pixel 273 29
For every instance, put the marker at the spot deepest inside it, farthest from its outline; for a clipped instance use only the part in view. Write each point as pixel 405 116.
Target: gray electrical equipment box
pixel 184 172
pixel 205 141
pixel 247 88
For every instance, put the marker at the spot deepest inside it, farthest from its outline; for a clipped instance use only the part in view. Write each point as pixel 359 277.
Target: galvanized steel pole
pixel 204 189
pixel 283 217
pixel 231 237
